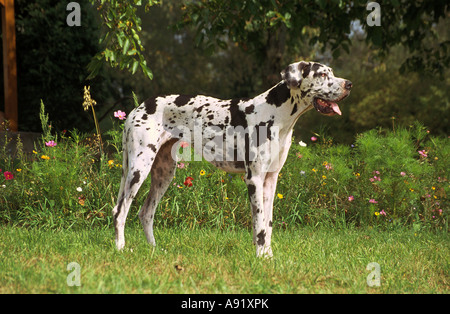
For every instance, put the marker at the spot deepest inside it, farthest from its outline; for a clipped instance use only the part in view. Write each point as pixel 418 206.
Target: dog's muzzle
pixel 330 107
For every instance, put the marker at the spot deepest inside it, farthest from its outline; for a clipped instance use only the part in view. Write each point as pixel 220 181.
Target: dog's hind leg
pixel 162 173
pixel 138 160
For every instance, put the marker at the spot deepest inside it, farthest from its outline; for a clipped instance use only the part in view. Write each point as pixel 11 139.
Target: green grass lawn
pixel 210 261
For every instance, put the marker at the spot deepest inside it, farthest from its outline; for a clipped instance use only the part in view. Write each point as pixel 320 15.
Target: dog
pixel 153 130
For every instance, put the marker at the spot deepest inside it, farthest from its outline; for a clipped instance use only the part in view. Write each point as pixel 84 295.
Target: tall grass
pixel 387 178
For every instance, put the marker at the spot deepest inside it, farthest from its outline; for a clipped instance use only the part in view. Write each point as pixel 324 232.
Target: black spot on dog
pixel 305 92
pixel 150 105
pixel 251 190
pixel 238 117
pixel 278 95
pixel 152 147
pixel 315 67
pixel 136 177
pixel 294 110
pixel 182 100
pixel 249 109
pixel 305 70
pixel 261 238
pixel 144 116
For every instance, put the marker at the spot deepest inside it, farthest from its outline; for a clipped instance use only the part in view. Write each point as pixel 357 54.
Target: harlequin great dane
pixel 153 129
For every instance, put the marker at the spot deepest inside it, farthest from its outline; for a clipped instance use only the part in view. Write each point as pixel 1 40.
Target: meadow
pixel 383 199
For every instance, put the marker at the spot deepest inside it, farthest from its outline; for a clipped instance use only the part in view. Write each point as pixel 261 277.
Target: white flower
pixel 79 189
pixel 302 144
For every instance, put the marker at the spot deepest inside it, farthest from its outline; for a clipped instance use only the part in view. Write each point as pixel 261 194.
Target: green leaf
pixel 126 45
pixel 134 67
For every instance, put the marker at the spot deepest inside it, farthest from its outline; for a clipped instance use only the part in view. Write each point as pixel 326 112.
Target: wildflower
pixel 433 188
pixel 18 170
pixel 34 152
pixel 423 153
pixel 188 181
pixel 302 172
pixel 313 138
pixel 181 165
pixel 377 213
pixel 313 169
pixel 50 144
pixel 88 101
pixel 202 172
pixel 299 155
pixel 328 167
pixel 351 198
pixel 302 144
pixel 45 157
pixel 403 173
pixel 110 163
pixel 324 177
pixel 325 163
pixel 382 212
pixel 373 201
pixel 280 196
pixel 79 189
pixel 8 175
pixel 357 174
pixel 120 115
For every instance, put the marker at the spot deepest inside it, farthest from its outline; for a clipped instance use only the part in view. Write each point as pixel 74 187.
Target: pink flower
pixel 403 174
pixel 351 198
pixel 313 138
pixel 423 153
pixel 382 212
pixel 120 114
pixel 50 144
pixel 181 165
pixel 8 175
pixel 373 201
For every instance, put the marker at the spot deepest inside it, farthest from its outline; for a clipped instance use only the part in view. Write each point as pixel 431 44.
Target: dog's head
pixel 317 84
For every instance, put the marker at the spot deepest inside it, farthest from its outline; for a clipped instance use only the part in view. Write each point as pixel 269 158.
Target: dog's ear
pixel 294 74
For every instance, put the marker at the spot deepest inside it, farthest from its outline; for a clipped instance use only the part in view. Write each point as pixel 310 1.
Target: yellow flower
pixel 377 213
pixel 19 170
pixel 314 170
pixel 433 188
pixel 34 152
pixel 325 163
pixel 45 157
pixel 202 172
pixel 110 162
pixel 324 177
pixel 357 174
pixel 280 196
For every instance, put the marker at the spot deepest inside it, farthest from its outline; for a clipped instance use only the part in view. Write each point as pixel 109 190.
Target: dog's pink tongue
pixel 335 108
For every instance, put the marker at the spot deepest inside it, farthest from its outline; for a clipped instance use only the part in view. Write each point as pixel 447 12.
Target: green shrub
pixel 388 178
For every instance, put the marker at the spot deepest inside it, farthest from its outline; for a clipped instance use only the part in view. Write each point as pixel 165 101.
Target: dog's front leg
pixel 261 238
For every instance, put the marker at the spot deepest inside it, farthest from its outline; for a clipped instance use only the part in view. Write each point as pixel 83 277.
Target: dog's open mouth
pixel 326 107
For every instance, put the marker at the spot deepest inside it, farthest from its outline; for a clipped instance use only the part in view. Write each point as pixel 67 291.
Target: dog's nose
pixel 348 85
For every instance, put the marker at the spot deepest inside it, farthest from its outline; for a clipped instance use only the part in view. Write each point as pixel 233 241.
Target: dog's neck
pixel 287 104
